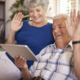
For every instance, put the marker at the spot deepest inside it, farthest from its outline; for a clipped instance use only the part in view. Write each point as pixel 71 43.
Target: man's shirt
pixel 54 64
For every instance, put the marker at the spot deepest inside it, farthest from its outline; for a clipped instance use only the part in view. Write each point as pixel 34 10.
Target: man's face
pixel 59 30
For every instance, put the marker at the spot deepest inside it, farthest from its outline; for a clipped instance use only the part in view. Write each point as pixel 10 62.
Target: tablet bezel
pixel 22 50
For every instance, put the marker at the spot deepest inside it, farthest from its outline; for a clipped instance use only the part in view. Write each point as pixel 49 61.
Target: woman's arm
pixel 11 37
pixel 16 24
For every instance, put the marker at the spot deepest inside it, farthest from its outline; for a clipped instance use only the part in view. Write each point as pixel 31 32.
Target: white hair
pixel 59 16
pixel 35 3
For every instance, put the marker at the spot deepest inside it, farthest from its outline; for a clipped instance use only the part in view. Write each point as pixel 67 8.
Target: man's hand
pixel 20 62
pixel 74 28
pixel 16 23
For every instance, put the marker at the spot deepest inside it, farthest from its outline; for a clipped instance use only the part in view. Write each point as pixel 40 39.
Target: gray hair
pixel 35 3
pixel 59 16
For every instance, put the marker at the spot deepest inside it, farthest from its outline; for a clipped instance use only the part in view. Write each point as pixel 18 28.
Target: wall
pixel 7 14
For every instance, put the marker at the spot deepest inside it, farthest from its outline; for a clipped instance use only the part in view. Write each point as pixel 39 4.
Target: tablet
pixel 22 50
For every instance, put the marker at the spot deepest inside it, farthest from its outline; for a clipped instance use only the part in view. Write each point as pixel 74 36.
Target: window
pixel 61 6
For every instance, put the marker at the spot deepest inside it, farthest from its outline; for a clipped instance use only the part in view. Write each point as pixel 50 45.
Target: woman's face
pixel 37 14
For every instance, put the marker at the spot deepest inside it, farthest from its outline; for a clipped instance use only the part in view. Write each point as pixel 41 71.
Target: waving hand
pixel 74 28
pixel 16 23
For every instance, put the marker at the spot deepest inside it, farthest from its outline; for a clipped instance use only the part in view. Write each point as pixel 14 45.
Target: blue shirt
pixel 35 37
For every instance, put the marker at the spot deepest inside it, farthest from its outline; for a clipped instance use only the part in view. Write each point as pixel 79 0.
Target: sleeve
pixel 71 61
pixel 34 66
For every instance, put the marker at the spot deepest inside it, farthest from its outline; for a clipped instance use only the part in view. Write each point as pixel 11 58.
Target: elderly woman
pixel 36 33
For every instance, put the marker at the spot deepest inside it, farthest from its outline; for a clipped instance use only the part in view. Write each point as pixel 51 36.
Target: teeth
pixel 58 35
pixel 36 17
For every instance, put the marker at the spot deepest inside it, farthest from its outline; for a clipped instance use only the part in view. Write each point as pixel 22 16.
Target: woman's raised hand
pixel 16 23
pixel 20 62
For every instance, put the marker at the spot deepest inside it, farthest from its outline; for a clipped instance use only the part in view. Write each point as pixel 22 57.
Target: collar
pixel 68 47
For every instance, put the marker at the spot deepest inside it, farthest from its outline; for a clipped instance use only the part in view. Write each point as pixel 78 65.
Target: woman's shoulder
pixel 49 23
pixel 25 21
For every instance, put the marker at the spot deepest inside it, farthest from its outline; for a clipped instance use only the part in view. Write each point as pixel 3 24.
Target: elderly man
pixel 58 61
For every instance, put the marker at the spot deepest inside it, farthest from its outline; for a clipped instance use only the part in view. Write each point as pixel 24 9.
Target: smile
pixel 58 35
pixel 36 17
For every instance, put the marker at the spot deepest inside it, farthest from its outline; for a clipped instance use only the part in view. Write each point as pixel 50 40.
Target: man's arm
pixel 26 75
pixel 76 59
pixel 74 33
pixel 20 62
